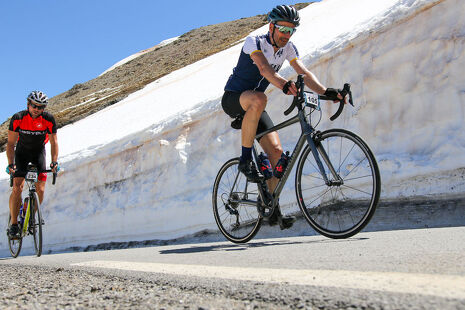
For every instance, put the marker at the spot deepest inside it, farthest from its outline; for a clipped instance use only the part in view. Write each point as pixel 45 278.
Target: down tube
pixel 298 148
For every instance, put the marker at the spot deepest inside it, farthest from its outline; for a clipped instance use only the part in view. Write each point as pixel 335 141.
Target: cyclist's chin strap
pixel 273 42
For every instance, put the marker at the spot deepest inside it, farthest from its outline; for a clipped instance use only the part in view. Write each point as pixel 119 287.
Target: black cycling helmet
pixel 38 97
pixel 284 13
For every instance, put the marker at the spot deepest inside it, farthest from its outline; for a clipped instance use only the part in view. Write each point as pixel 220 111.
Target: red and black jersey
pixel 33 133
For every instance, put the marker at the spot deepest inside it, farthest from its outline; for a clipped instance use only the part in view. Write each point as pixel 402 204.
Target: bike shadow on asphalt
pixel 251 244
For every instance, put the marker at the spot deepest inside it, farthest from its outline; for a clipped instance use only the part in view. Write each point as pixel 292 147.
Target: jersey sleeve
pixel 53 128
pixel 15 122
pixel 292 54
pixel 251 45
pixel 51 124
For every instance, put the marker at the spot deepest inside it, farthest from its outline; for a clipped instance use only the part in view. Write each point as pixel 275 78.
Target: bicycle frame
pixel 32 188
pixel 31 183
pixel 306 135
pixel 309 135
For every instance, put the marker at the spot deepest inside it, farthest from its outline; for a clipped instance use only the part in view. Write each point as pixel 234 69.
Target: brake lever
pixel 345 91
pixel 299 98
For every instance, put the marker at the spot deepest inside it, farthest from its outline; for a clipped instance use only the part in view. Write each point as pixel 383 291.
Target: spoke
pixel 346 198
pixel 342 163
pixel 222 215
pixel 324 193
pixel 358 190
pixel 311 163
pixel 312 176
pixel 356 166
pixel 360 177
pixel 317 186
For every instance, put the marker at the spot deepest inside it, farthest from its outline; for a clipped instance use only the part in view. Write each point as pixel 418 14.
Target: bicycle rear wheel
pixel 339 209
pixel 14 243
pixel 35 224
pixel 235 204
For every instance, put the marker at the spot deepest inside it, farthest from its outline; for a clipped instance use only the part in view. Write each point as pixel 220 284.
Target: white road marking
pixel 448 286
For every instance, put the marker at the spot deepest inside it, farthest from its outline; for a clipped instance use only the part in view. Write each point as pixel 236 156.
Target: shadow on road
pixel 243 247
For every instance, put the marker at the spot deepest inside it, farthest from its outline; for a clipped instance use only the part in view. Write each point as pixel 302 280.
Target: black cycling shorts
pixel 232 107
pixel 23 157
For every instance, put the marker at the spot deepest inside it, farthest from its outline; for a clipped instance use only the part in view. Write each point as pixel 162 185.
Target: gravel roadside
pixel 38 287
pixel 30 287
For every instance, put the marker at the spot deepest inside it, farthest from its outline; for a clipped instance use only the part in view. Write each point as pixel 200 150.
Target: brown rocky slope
pixel 92 96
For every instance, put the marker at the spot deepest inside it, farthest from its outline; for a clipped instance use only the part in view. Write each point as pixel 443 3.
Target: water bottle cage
pixel 265 166
pixel 281 166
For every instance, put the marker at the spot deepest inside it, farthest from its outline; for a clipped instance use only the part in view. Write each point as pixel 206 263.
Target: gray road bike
pixel 30 216
pixel 337 179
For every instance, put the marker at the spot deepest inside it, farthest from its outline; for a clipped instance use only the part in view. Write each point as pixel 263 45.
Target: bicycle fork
pixel 317 151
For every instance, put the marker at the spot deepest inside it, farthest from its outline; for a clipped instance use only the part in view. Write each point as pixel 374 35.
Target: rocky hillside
pixel 84 99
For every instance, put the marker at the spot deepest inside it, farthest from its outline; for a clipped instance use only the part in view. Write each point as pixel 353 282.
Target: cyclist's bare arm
pixel 268 72
pixel 10 146
pixel 309 78
pixel 53 146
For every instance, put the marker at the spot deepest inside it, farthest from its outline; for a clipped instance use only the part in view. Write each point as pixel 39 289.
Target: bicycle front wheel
pixel 343 206
pixel 35 224
pixel 235 204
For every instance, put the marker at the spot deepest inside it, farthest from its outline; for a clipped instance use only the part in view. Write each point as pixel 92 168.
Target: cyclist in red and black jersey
pixel 28 133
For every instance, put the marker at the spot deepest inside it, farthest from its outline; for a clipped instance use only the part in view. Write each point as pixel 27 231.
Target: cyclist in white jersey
pixel 258 65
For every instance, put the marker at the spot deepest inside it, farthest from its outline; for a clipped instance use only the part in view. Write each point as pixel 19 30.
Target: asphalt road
pixel 405 269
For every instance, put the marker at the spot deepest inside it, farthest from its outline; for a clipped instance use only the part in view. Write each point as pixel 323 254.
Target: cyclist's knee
pixel 254 101
pixel 17 189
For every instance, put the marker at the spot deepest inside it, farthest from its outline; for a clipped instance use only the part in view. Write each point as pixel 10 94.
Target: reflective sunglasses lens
pixel 39 107
pixel 285 29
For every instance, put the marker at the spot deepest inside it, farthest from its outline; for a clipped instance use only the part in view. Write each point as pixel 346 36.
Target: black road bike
pixel 337 179
pixel 30 217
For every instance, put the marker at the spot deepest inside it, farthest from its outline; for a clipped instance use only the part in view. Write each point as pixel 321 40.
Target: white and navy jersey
pixel 246 75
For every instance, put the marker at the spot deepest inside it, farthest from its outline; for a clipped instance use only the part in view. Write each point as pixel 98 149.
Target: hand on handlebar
pixel 290 88
pixel 336 95
pixel 55 166
pixel 10 169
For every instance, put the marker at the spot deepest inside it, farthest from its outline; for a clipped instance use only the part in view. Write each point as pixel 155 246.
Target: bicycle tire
pixel 36 224
pixel 14 244
pixel 339 211
pixel 238 222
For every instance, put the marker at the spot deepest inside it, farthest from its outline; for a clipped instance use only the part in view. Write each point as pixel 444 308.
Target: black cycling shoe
pixel 284 222
pixel 14 231
pixel 250 171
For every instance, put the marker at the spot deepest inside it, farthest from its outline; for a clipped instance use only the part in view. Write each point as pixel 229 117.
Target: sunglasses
pixel 35 106
pixel 285 29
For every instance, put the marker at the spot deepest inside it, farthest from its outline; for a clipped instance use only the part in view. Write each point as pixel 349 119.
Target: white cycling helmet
pixel 38 97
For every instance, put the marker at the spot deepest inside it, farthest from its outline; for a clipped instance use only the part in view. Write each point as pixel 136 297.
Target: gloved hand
pixel 54 165
pixel 332 93
pixel 10 169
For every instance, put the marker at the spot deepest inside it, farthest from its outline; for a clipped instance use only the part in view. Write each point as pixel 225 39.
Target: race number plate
pixel 312 100
pixel 31 176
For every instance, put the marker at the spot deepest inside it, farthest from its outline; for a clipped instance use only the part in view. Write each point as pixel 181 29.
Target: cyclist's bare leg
pixel 40 189
pixel 253 103
pixel 272 147
pixel 15 199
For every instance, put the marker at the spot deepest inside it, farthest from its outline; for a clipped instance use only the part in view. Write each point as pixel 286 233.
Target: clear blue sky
pixel 50 45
